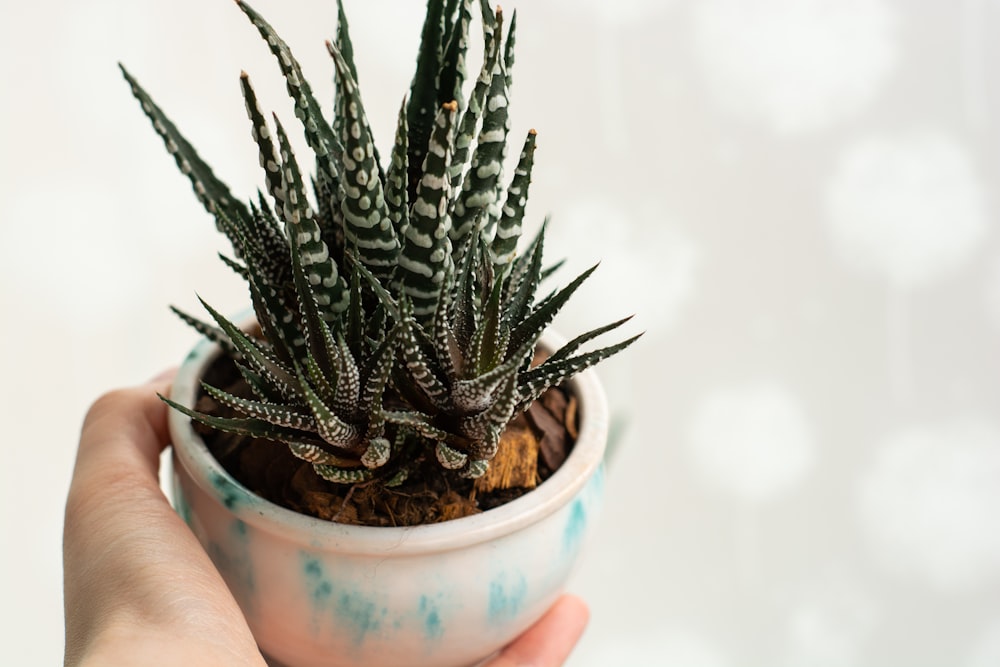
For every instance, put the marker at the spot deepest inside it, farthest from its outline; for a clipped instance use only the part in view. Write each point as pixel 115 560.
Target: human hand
pixel 139 588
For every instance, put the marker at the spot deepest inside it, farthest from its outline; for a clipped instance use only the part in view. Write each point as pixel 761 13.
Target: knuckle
pixel 113 402
pixel 110 399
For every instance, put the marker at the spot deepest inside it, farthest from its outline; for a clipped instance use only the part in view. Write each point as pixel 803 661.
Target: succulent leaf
pixel 421 370
pixel 276 310
pixel 476 394
pixel 572 346
pixel 347 393
pixel 480 185
pixel 466 317
pixel 521 263
pixel 381 293
pixel 531 327
pixel 261 134
pixel 254 428
pixel 330 427
pixel 319 134
pixel 470 124
pixel 446 347
pixel 448 21
pixel 368 228
pixel 341 475
pixel 377 375
pixel 214 334
pixel 549 270
pixel 213 194
pixel 533 382
pixel 490 19
pixel 397 479
pixel 233 264
pixel 452 75
pixel 508 49
pixel 317 455
pixel 346 49
pixel 310 256
pixel 475 469
pixel 418 423
pixel 449 457
pixel 330 218
pixel 484 428
pixel 504 245
pixel 377 454
pixel 375 327
pixel 323 384
pixel 279 415
pixel 397 196
pixel 267 238
pixel 523 280
pixel 260 387
pixel 426 257
pixel 489 343
pixel 258 358
pixel 423 100
pixel 354 331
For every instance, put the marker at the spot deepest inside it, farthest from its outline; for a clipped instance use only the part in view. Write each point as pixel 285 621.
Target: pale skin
pixel 140 590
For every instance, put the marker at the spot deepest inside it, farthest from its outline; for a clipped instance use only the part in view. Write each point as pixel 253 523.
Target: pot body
pixel 321 594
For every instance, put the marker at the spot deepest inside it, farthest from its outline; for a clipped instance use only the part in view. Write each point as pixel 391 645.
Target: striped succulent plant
pixel 397 318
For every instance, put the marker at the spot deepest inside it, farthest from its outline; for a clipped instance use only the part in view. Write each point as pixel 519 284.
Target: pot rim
pixel 191 453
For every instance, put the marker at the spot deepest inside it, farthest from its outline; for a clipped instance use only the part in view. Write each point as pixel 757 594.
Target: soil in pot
pixel 534 445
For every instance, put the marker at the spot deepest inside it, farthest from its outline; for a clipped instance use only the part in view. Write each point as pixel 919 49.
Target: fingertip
pixel 125 422
pixel 574 608
pixel 551 640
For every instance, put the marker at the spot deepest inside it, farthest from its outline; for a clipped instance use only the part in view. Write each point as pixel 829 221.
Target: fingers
pixel 115 487
pixel 114 490
pixel 550 641
pixel 132 567
pixel 125 431
pixel 117 469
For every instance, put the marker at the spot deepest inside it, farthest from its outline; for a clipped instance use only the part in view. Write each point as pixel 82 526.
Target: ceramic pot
pixel 321 594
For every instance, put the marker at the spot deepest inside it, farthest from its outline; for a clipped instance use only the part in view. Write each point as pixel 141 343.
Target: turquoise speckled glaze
pixel 320 594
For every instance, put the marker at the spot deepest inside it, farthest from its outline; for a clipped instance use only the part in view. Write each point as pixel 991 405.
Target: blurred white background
pixel 798 198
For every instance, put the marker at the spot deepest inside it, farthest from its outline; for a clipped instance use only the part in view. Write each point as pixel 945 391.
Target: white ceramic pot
pixel 321 594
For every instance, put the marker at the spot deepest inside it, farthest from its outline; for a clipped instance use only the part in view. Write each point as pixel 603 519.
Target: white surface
pixel 800 199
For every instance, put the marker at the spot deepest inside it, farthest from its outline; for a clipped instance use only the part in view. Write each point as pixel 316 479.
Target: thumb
pixel 549 642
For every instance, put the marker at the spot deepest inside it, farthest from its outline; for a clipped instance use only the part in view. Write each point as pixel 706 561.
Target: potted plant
pixel 395 340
